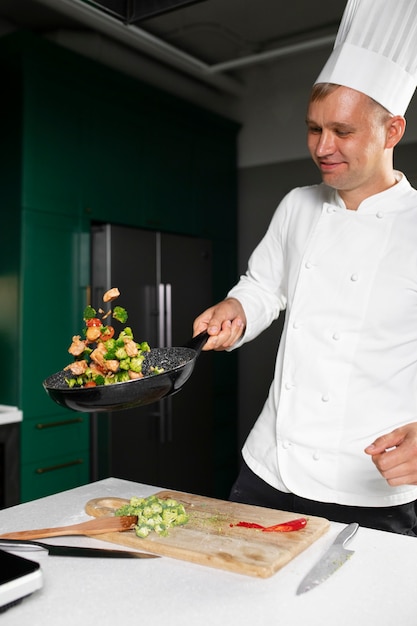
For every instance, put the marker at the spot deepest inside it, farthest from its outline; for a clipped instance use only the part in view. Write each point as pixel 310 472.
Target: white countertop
pixel 376 587
pixel 9 414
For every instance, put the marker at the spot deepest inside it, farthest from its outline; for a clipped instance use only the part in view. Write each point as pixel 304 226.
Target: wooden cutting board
pixel 210 537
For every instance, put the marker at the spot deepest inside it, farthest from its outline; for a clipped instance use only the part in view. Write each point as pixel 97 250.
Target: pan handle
pixel 198 342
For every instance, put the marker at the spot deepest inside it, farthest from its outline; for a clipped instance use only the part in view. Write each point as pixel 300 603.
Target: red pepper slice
pixel 286 527
pixel 250 525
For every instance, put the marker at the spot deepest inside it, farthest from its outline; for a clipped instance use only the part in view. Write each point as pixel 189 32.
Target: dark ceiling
pixel 211 31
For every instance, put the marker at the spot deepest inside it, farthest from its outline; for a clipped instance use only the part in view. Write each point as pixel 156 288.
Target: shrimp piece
pixel 98 357
pixel 96 369
pixel 111 294
pixel 93 333
pixel 135 375
pixel 77 347
pixel 131 347
pixel 78 367
pixel 112 365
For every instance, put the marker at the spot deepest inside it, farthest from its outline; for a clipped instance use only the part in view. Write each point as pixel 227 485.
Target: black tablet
pixel 19 577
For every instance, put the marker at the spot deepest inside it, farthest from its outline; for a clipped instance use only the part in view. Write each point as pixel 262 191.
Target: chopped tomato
pixel 93 321
pixel 107 333
pixel 90 383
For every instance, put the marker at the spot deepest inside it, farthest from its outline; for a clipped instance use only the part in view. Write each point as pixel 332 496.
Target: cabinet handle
pixel 75 420
pixel 52 468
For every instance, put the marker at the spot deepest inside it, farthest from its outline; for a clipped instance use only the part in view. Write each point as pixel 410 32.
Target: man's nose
pixel 325 144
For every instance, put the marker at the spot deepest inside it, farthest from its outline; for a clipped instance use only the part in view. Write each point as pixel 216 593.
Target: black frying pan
pixel 178 364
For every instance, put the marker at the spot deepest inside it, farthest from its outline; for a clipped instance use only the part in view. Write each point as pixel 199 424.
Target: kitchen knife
pixel 58 550
pixel 334 558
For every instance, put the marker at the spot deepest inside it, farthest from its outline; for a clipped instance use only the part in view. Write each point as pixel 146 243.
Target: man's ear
pixel 395 130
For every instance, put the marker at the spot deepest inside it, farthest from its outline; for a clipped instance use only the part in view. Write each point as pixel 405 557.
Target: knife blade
pixel 77 551
pixel 330 562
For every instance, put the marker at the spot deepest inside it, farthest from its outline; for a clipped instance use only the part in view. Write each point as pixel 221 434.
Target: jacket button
pixel 325 397
pixel 316 455
pixel 336 336
pixel 354 278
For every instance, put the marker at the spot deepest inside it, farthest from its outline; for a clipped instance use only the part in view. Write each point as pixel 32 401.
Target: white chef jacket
pixel 346 366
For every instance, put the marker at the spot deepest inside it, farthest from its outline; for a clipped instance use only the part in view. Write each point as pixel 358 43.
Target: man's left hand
pixel 395 455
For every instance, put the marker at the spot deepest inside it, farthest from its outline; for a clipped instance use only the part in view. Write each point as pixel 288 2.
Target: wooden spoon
pixel 92 527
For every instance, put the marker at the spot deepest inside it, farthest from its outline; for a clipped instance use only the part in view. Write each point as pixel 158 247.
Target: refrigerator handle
pixel 168 314
pixel 161 316
pixel 168 326
pixel 165 340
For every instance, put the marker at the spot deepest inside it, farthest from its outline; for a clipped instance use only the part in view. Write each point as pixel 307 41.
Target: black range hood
pixel 135 11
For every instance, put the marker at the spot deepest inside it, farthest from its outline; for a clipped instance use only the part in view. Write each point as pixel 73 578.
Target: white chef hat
pixel 375 52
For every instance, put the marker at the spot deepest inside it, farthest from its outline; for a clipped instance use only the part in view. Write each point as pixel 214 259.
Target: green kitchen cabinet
pixel 55 454
pixel 54 279
pixel 83 144
pixel 48 287
pixel 54 282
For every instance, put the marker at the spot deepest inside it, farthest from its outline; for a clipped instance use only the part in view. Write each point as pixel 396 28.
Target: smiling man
pixel 351 140
pixel 337 436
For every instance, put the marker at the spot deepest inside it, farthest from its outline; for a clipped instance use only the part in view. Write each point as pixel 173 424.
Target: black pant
pixel 250 489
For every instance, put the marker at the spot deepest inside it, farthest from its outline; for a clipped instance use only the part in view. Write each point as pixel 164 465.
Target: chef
pixel 337 436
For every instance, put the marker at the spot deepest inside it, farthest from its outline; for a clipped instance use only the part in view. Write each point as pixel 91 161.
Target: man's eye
pixel 314 130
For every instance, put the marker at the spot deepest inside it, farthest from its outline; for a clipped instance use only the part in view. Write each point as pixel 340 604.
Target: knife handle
pixel 346 534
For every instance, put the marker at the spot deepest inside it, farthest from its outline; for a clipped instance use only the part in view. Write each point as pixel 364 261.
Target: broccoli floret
pixel 182 518
pixel 144 347
pixel 89 313
pixel 147 511
pixel 154 521
pixel 142 531
pixel 122 376
pixel 161 530
pixel 136 364
pixel 135 501
pixel 85 354
pixel 110 344
pixel 170 502
pixel 127 332
pixel 121 353
pixel 110 355
pixel 120 314
pixel 125 364
pixel 156 507
pixel 169 516
pixel 123 510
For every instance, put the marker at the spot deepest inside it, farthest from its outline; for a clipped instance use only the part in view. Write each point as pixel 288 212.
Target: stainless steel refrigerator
pixel 165 281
